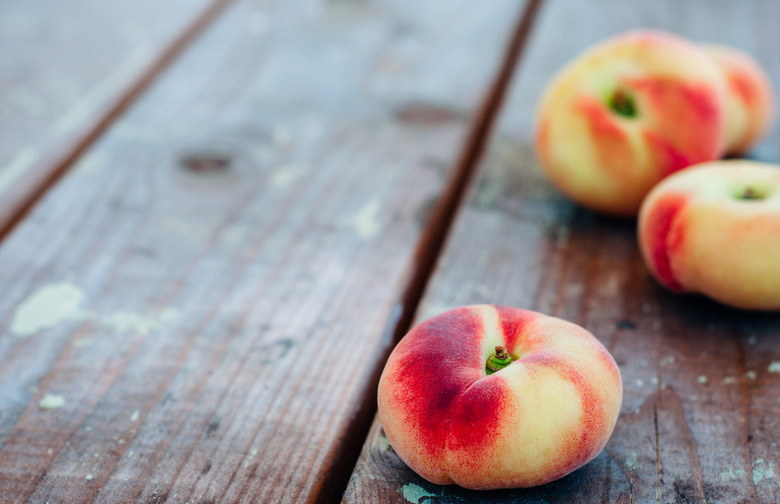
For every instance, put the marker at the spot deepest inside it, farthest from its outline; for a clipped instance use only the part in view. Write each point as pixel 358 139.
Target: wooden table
pixel 217 217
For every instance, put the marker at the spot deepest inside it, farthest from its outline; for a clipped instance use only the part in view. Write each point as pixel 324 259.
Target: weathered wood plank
pixel 700 418
pixel 67 69
pixel 198 311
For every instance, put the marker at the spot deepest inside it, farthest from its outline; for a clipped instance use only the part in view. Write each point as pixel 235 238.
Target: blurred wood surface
pixel 66 70
pixel 198 310
pixel 701 418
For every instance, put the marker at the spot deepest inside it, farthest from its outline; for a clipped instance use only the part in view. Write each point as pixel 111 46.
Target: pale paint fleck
pixel 751 375
pixel 121 441
pixel 51 401
pixel 234 235
pixel 631 460
pixel 49 451
pixel 135 415
pixel 429 311
pixel 415 493
pixel 281 137
pixel 285 176
pixel 87 103
pixel 191 229
pixel 731 474
pixel 11 172
pixel 366 221
pixel 762 472
pixel 654 380
pixel 668 360
pixel 90 163
pixel 639 382
pixel 250 457
pixel 656 325
pixel 611 287
pixel 47 307
pixel 383 443
pixel 125 321
pixel 729 380
pixel 259 23
pixel 702 379
pixel 574 290
pixel 61 302
pixel 83 342
pixel 647 308
pixel 89 477
pixel 484 291
pixel 774 367
pixel 262 153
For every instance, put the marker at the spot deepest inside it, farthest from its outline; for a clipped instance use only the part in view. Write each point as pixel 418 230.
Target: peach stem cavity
pixel 498 360
pixel 751 194
pixel 623 104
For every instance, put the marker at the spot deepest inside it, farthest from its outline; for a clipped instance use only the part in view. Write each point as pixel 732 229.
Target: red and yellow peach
pixel 714 229
pixel 548 409
pixel 750 107
pixel 627 113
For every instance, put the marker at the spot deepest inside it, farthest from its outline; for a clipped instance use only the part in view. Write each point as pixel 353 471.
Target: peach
pixel 750 106
pixel 627 113
pixel 714 229
pixel 493 397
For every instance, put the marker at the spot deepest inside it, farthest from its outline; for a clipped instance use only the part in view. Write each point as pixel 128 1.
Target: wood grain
pixel 699 421
pixel 67 70
pixel 198 311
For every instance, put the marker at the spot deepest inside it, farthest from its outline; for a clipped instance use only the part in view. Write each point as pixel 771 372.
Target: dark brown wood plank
pixel 67 69
pixel 699 421
pixel 199 310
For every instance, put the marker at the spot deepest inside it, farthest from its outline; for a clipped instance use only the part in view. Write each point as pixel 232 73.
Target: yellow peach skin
pixel 751 99
pixel 714 229
pixel 627 113
pixel 545 414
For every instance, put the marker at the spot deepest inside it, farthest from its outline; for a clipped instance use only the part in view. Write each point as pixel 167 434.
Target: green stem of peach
pixel 498 360
pixel 749 194
pixel 622 103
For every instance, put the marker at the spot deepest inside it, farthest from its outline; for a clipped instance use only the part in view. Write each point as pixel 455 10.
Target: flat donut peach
pixel 714 229
pixel 493 397
pixel 627 113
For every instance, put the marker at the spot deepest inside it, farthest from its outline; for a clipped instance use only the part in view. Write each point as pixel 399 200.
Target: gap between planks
pixel 438 227
pixel 11 217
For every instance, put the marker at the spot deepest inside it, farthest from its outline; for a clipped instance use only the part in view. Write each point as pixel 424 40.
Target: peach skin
pixel 493 397
pixel 714 229
pixel 627 113
pixel 750 106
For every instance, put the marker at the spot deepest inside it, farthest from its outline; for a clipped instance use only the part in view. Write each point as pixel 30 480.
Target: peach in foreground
pixel 491 397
